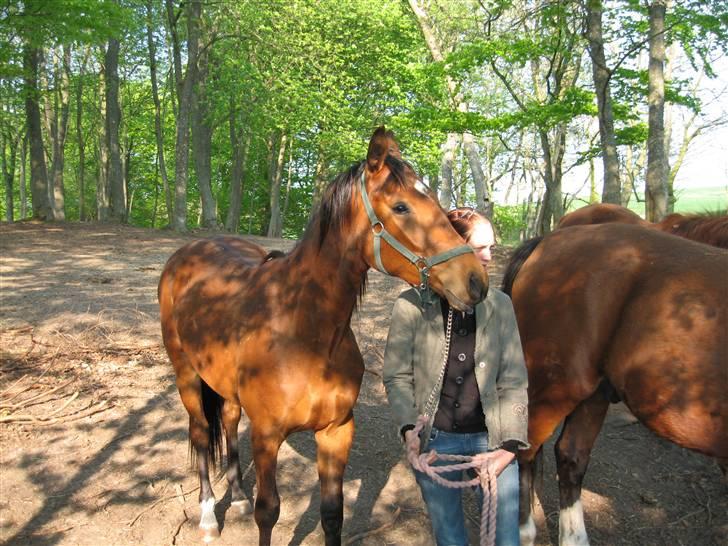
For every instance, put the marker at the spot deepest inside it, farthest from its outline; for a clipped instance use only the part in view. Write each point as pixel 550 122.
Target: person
pixel 482 403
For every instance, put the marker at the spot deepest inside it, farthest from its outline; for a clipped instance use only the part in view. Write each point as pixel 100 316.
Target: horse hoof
pixel 209 534
pixel 244 506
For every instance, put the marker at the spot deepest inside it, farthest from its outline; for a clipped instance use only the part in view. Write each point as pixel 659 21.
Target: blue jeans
pixel 445 505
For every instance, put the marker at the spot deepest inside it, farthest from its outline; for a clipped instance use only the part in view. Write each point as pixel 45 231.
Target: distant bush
pixel 509 221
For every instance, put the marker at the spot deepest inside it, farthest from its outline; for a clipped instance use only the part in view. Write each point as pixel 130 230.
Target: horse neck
pixel 337 264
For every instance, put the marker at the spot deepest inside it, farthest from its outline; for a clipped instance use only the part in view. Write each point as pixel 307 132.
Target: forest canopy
pixel 235 115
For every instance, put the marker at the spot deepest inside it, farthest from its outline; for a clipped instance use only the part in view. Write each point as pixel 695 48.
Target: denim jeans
pixel 445 505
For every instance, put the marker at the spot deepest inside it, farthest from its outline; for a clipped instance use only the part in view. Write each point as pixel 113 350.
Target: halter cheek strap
pixel 422 263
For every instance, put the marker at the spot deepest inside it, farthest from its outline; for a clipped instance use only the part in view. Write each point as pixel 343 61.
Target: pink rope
pixel 486 479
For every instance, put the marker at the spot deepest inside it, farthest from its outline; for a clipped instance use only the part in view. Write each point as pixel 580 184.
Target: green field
pixel 693 200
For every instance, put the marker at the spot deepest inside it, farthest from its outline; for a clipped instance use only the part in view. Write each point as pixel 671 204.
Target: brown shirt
pixel 460 409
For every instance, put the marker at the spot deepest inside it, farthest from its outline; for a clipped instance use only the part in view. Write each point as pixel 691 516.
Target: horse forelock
pixel 337 199
pixel 518 258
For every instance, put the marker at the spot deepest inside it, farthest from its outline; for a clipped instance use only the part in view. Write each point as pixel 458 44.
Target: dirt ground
pixel 93 437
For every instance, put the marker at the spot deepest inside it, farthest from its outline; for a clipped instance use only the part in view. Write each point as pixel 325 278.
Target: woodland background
pixel 234 115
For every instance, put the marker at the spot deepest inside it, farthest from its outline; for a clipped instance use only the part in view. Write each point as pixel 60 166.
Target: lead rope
pixel 484 467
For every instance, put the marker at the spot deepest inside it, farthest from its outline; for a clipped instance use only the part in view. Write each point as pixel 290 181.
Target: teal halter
pixel 422 263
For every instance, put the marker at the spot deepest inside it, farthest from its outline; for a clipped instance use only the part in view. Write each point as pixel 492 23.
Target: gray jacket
pixel 413 360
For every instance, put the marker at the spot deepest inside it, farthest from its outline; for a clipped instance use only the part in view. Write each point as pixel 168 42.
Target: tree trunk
pixel 289 179
pixel 656 178
pixel 275 227
pixel 483 203
pixel 21 182
pixel 59 129
pixel 240 152
pixel 202 142
pixel 81 143
pixel 184 99
pixel 38 172
pixel 447 170
pixel 9 145
pixel 115 174
pixel 611 190
pixel 102 183
pixel 157 112
pixel 552 208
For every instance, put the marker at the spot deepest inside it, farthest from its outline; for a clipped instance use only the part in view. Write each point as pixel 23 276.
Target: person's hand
pixel 498 459
pixel 412 446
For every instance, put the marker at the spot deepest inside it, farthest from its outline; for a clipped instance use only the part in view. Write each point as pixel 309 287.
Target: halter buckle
pixel 378 228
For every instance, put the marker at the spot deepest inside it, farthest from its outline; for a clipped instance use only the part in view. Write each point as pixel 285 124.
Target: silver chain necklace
pixel 433 400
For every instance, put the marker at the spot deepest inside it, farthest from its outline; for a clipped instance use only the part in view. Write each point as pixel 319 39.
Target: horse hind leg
pixel 230 420
pixel 573 450
pixel 203 406
pixel 266 444
pixel 526 524
pixel 332 452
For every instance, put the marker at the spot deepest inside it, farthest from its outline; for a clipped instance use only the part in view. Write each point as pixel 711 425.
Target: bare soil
pixel 93 437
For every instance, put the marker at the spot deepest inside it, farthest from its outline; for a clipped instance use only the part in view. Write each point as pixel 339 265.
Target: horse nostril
pixel 478 290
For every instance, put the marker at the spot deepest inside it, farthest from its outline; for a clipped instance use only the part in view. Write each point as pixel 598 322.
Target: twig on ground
pixel 185 517
pixel 359 536
pixel 24 403
pixel 686 516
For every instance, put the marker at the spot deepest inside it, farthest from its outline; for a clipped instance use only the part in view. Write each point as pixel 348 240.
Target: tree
pixel 656 178
pixel 38 171
pixel 612 187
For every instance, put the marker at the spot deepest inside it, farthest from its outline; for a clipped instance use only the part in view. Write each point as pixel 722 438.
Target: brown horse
pixel 709 228
pixel 272 334
pixel 618 312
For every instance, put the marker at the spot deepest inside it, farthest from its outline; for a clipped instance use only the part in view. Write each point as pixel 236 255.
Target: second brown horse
pixel 273 336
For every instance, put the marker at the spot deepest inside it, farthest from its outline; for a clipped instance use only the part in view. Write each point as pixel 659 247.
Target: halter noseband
pixel 422 263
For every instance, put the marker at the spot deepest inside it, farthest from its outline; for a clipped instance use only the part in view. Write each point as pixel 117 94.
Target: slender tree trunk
pixel 275 226
pixel 157 112
pixel 289 178
pixel 240 152
pixel 447 170
pixel 38 172
pixel 102 183
pixel 202 142
pixel 81 143
pixel 184 93
pixel 59 130
pixel 552 208
pixel 656 178
pixel 483 202
pixel 612 185
pixel 21 182
pixel 115 175
pixel 9 146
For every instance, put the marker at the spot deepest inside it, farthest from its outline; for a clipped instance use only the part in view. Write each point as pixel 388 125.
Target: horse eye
pixel 400 208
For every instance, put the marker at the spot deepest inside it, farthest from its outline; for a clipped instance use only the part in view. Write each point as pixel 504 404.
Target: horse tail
pixel 212 406
pixel 518 258
pixel 537 476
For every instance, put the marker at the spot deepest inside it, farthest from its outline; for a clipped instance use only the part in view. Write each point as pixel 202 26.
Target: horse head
pixel 409 235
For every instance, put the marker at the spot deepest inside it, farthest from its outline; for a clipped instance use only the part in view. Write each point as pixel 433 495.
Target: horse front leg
pixel 266 444
pixel 230 420
pixel 332 446
pixel 573 450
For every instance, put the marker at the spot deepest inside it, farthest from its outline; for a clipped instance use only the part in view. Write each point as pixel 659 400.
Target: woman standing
pixel 482 395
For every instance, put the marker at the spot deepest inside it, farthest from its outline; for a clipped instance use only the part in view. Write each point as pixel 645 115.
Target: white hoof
pixel 527 531
pixel 208 522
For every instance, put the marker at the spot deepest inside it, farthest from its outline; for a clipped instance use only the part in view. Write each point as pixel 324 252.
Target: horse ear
pixel 381 145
